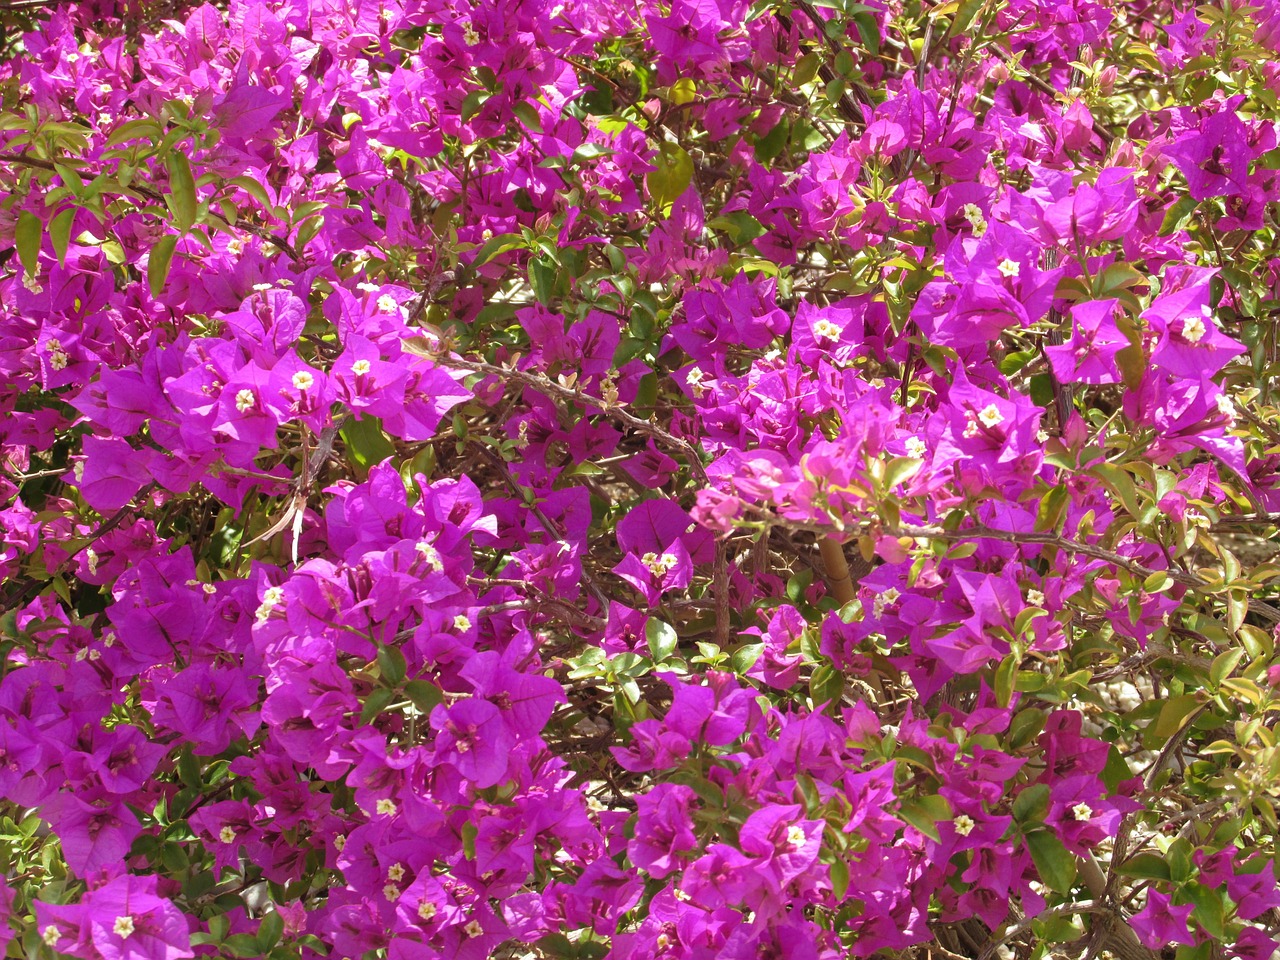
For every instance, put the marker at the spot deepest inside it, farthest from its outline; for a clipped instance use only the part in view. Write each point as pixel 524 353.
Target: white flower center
pixel 386 806
pixel 302 380
pixel 426 910
pixel 964 824
pixel 245 400
pixel 361 367
pixel 431 555
pixel 824 329
pixel 916 448
pixel 1082 812
pixel 123 926
pixel 1193 329
pixel 659 565
pixel 991 416
pixel 1009 268
pixel 973 213
pixel 227 835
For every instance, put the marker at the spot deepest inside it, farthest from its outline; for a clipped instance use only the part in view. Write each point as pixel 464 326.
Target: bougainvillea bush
pixel 685 479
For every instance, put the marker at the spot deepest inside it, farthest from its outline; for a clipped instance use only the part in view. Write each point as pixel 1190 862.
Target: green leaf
pixel 1172 715
pixel 375 704
pixel 469 833
pixel 1056 864
pixel 60 233
pixel 826 686
pixel 255 189
pixel 241 945
pixel 159 262
pixel 527 114
pixel 924 814
pixel 745 657
pixel 181 198
pixel 1223 664
pixel 661 638
pixel 1146 866
pixel 683 91
pixel 900 470
pixel 1005 674
pixel 392 664
pixel 27 236
pixel 424 694
pixel 672 175
pixel 1053 508
pixel 269 932
pixel 1210 911
pixel 498 245
pixel 1120 482
pixel 542 277
pixel 365 441
pixel 806 69
pixel 1032 804
pixel 839 879
pixel 1176 217
pixel 966 13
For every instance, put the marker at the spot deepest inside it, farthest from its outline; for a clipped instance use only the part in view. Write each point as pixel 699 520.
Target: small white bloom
pixel 964 824
pixel 261 287
pixel 426 910
pixel 1035 597
pixel 361 367
pixel 795 835
pixel 302 380
pixel 473 929
pixel 695 379
pixel 431 555
pixel 387 303
pixel 1009 268
pixel 973 213
pixel 123 926
pixel 991 416
pixel 916 448
pixel 395 872
pixel 659 565
pixel 1082 812
pixel 227 835
pixel 245 401
pixel 50 935
pixel 462 623
pixel 386 806
pixel 824 329
pixel 391 892
pixel 1193 329
pixel 470 35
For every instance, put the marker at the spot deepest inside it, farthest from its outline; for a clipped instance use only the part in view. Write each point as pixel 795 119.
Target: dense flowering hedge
pixel 686 479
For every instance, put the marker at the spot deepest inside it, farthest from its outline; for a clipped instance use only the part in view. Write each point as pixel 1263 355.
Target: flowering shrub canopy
pixel 694 479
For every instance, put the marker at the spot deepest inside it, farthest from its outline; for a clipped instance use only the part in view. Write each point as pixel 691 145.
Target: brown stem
pixel 838 578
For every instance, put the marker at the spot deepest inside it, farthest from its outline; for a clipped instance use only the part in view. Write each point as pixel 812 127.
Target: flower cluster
pixel 688 480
